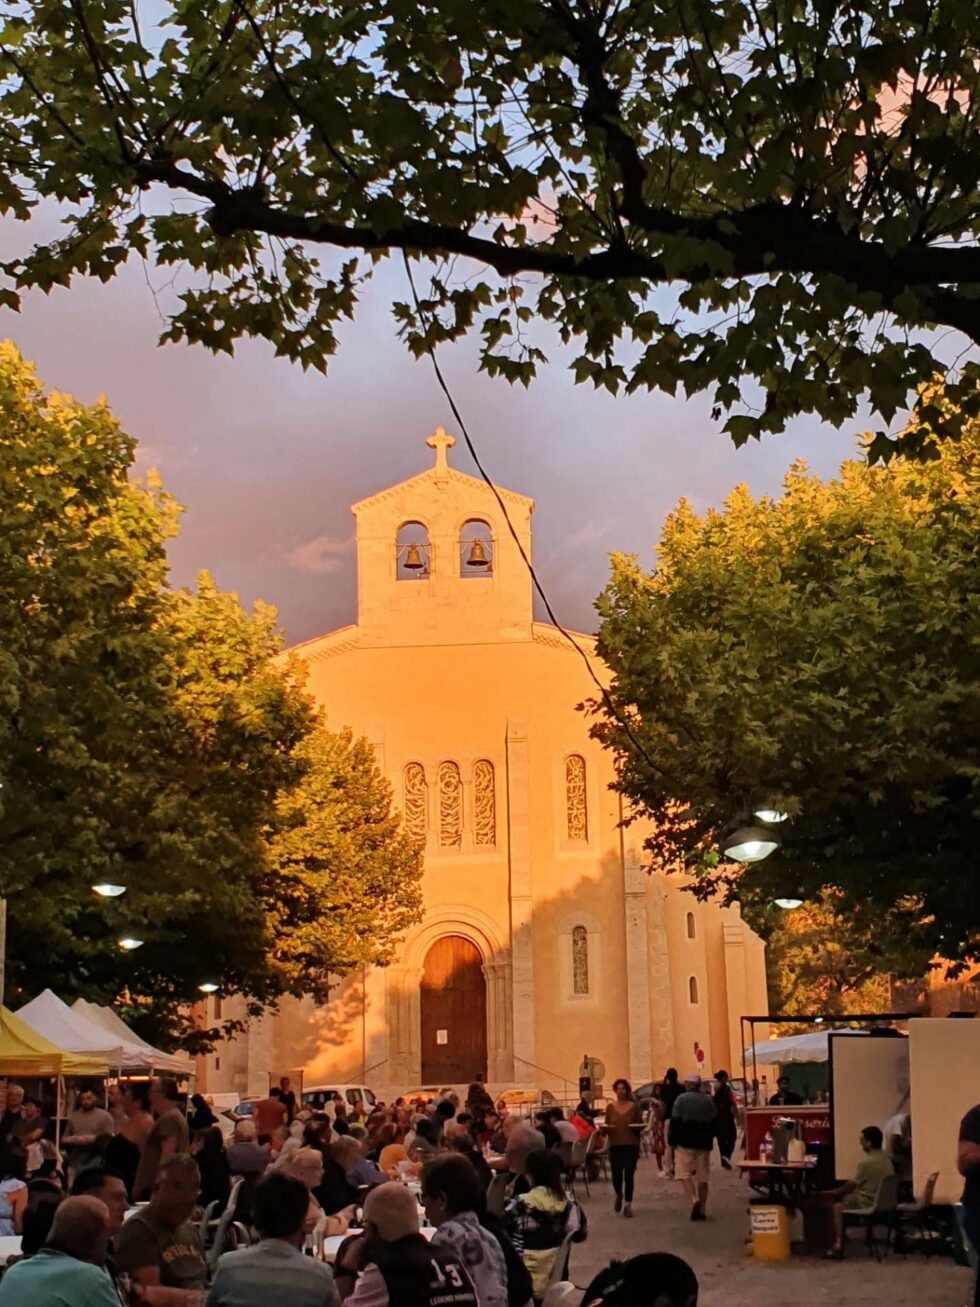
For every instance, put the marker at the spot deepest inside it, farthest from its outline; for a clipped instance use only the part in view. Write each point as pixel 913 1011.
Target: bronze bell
pixel 414 561
pixel 477 557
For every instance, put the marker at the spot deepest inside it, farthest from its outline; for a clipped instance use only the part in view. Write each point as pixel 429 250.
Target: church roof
pixel 345 638
pixel 439 473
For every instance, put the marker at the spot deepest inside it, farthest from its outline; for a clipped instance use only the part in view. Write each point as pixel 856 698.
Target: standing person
pixel 90 1128
pixel 12 1112
pixel 624 1122
pixel 274 1269
pixel 658 1136
pixel 28 1132
pixel 727 1110
pixel 169 1136
pixel 270 1116
pixel 200 1117
pixel 405 1270
pixel 212 1162
pixel 287 1098
pixel 114 1104
pixel 968 1165
pixel 784 1096
pixel 477 1096
pixel 451 1195
pixel 160 1245
pixel 670 1091
pixel 125 1148
pixel 692 1135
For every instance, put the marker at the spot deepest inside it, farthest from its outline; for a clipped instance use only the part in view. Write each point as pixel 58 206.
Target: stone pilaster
pixel 500 1049
pixel 521 900
pixel 662 1051
pixel 404 1020
pixel 637 970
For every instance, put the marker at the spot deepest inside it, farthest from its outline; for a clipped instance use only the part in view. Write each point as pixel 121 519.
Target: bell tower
pixel 437 563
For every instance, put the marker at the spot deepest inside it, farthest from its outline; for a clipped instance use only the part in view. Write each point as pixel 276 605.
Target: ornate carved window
pixel 416 800
pixel 484 804
pixel 692 990
pixel 576 812
pixel 692 926
pixel 580 960
pixel 450 806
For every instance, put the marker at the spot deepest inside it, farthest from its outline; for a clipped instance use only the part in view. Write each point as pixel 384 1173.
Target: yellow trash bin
pixel 770 1233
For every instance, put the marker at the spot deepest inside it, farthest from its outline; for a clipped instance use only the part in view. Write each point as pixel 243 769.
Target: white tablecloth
pixel 9 1247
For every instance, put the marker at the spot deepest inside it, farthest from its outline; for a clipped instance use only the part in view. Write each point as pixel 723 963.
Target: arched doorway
pixel 454 1012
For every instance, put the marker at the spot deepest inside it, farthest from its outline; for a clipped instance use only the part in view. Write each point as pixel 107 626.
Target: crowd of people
pixel 122 1213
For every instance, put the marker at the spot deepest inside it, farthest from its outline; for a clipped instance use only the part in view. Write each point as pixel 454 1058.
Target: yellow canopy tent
pixel 23 1052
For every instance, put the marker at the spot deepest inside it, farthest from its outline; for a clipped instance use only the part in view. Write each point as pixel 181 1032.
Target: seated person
pixel 784 1096
pixel 70 1268
pixel 652 1278
pixel 451 1196
pixel 160 1245
pixel 274 1269
pixel 540 1219
pixel 863 1189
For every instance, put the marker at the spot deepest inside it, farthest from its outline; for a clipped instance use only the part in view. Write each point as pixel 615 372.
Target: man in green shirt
pixel 70 1268
pixel 863 1189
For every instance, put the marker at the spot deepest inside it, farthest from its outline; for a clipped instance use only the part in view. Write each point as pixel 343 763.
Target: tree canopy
pixel 816 654
pixel 764 200
pixel 157 739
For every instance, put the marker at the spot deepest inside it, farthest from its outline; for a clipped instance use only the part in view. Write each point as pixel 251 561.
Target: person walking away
pixel 670 1091
pixel 658 1137
pixel 540 1220
pixel 623 1125
pixel 968 1165
pixel 727 1110
pixel 169 1136
pixel 691 1135
pixel 274 1270
pixel 160 1245
pixel 70 1269
pixel 90 1128
pixel 451 1195
pixel 863 1189
pixel 405 1270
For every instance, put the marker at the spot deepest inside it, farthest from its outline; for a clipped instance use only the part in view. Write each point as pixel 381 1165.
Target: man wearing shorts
pixel 693 1122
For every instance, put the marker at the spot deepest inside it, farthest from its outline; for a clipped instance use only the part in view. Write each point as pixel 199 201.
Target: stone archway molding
pixel 403 1002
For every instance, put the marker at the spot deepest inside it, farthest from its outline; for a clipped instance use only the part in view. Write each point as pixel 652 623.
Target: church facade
pixel 544 937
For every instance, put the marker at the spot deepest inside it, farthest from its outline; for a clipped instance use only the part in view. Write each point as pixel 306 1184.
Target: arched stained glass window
pixel 484 803
pixel 576 813
pixel 580 960
pixel 416 800
pixel 450 806
pixel 692 989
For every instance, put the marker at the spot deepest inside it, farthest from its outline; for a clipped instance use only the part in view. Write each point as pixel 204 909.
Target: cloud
pixel 320 556
pixel 585 535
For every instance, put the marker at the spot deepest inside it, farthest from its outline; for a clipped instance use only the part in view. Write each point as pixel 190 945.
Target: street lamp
pixel 772 816
pixel 209 987
pixel 128 943
pixel 788 904
pixel 107 890
pixel 750 844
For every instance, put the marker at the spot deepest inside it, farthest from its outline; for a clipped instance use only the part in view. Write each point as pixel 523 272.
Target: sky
pixel 267 459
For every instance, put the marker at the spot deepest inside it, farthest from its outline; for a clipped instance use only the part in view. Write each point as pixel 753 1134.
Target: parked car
pixel 319 1097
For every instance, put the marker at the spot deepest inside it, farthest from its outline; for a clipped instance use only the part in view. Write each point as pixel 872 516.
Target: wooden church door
pixel 454 1013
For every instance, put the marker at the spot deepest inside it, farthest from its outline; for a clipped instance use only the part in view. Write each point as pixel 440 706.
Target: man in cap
pixel 693 1122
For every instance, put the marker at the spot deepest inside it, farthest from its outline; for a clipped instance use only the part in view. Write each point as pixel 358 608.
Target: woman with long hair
pixel 623 1126
pixel 212 1162
pixel 539 1221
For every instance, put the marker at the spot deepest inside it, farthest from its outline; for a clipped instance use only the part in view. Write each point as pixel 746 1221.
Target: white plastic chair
pixel 217 1230
pixel 562 1294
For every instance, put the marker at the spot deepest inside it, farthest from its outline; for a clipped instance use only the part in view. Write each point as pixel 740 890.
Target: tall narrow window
pixel 692 926
pixel 576 815
pixel 450 806
pixel 580 960
pixel 484 804
pixel 692 989
pixel 416 800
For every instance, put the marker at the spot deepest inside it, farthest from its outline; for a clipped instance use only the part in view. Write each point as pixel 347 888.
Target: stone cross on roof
pixel 441 443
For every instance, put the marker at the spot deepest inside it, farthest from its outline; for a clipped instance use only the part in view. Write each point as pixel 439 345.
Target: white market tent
pixel 150 1058
pixel 56 1022
pixel 814 1046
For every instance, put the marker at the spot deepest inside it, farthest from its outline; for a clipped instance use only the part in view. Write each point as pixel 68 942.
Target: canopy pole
pixel 57 1114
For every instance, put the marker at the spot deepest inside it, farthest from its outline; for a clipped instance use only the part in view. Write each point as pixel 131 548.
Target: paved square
pixel 729 1275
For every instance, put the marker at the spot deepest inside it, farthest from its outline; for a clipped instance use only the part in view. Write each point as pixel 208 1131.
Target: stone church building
pixel 544 938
